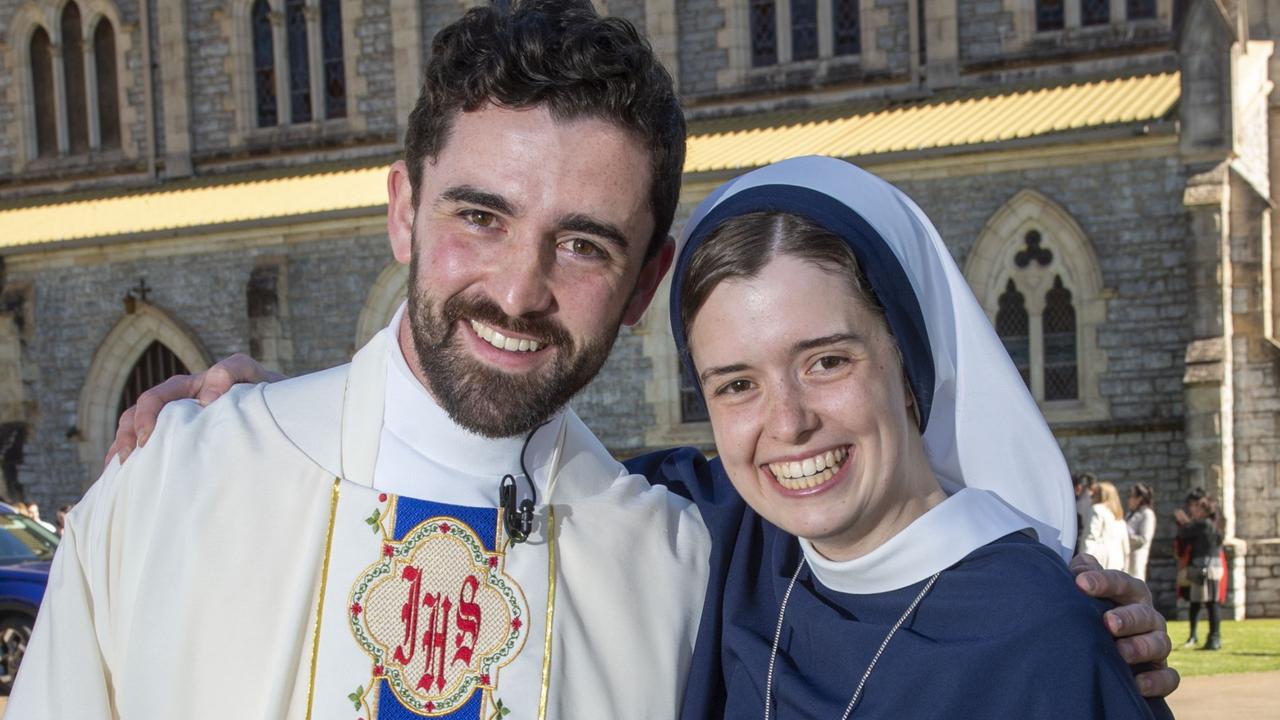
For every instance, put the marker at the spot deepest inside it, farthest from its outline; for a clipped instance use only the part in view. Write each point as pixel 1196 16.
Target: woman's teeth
pixel 502 342
pixel 810 472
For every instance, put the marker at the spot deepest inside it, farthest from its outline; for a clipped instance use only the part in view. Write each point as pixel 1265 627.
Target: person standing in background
pixel 1107 537
pixel 1082 484
pixel 1198 530
pixel 1142 528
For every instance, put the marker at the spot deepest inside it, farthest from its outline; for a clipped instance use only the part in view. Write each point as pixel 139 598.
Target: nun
pixel 893 532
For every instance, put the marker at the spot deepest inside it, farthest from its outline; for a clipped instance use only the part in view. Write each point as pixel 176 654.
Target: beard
pixel 484 400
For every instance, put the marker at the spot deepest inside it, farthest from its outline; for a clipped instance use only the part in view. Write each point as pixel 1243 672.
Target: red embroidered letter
pixel 409 614
pixel 468 621
pixel 433 641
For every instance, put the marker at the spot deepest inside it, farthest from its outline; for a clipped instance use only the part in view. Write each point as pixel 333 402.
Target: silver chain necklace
pixel 777 636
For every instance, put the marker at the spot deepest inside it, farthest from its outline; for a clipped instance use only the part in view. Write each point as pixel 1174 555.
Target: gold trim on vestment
pixel 324 580
pixel 551 611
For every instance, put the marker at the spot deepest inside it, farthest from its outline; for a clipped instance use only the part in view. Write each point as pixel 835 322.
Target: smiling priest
pixel 428 531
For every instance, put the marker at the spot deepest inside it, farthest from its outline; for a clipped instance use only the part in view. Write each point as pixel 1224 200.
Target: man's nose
pixel 521 279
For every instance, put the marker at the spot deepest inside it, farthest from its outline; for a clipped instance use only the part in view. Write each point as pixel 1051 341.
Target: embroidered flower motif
pixel 516 624
pixel 493 561
pixel 388 550
pixel 484 679
pixel 355 608
pixel 382 497
pixel 377 671
pixel 431 707
pixel 444 528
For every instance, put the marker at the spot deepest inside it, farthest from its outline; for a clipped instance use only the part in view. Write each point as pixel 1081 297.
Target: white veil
pixel 983 429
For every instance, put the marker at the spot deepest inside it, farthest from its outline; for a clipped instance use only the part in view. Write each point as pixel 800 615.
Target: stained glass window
pixel 104 60
pixel 804 29
pixel 1014 329
pixel 848 27
pixel 295 22
pixel 764 33
pixel 1048 15
pixel 42 87
pixel 335 79
pixel 73 75
pixel 1060 376
pixel 264 65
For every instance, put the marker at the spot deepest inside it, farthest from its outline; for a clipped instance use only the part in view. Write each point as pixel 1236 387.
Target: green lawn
pixel 1247 646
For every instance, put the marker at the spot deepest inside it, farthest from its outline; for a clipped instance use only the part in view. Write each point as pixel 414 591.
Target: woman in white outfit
pixel 1107 537
pixel 1142 528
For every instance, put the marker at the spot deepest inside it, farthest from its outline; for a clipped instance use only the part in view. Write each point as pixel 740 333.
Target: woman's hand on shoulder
pixel 1141 634
pixel 138 422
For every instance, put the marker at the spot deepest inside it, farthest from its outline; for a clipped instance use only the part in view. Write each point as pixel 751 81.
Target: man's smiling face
pixel 527 250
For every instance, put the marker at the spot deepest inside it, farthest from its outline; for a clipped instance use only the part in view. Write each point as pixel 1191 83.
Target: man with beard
pixel 428 531
pixel 333 546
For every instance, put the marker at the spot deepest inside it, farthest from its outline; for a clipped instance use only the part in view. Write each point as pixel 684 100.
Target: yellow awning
pixel 760 140
pixel 214 204
pixel 726 144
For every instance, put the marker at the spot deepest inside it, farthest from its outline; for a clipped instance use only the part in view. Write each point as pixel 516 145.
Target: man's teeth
pixel 502 342
pixel 810 472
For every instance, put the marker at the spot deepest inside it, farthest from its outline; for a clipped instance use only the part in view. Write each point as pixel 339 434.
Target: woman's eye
pixel 479 218
pixel 830 362
pixel 734 387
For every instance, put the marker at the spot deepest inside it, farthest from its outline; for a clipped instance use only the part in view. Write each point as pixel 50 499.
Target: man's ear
pixel 651 274
pixel 400 211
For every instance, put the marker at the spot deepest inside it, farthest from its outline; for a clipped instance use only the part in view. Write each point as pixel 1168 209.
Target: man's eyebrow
pixel 577 222
pixel 709 373
pixel 475 196
pixel 825 340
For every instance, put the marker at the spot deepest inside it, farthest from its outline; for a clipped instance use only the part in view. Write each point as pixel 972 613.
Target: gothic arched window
pixel 1014 328
pixel 73 79
pixel 104 60
pixel 42 86
pixel 264 65
pixel 1036 274
pixel 1060 377
pixel 156 365
pixel 295 21
pixel 335 77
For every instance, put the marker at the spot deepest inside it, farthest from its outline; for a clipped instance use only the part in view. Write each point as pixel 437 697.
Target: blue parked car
pixel 26 547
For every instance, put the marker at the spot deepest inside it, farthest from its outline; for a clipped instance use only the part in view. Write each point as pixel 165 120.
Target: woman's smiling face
pixel 811 415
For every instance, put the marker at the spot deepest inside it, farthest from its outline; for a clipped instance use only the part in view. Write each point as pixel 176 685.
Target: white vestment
pixel 243 565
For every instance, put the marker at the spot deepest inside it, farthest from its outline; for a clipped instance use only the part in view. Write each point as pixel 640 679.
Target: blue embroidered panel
pixel 389 707
pixel 484 521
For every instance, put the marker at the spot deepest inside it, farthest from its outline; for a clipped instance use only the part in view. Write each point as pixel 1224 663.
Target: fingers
pixel 1128 621
pixel 151 402
pixel 238 368
pixel 1158 683
pixel 125 440
pixel 1112 585
pixel 1083 563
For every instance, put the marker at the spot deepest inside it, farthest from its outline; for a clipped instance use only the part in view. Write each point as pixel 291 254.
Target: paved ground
pixel 1248 696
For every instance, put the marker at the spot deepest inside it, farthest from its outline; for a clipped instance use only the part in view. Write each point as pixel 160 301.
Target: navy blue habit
pixel 1004 633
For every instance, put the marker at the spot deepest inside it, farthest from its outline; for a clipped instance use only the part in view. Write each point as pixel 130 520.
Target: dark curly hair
pixel 561 55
